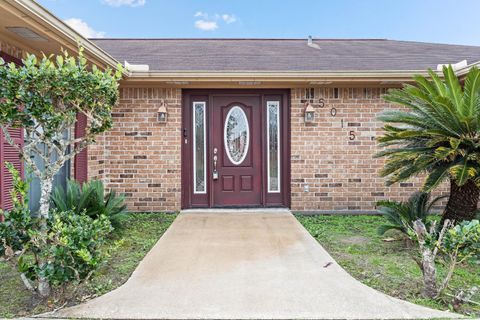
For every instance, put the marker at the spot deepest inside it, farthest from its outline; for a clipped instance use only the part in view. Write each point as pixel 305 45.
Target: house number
pixel 321 103
pixel 333 112
pixel 351 135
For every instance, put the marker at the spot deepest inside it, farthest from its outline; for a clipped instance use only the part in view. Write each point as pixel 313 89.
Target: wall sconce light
pixel 162 112
pixel 309 112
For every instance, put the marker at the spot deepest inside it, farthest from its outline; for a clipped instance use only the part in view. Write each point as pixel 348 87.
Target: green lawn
pixel 351 240
pixel 127 247
pixel 384 265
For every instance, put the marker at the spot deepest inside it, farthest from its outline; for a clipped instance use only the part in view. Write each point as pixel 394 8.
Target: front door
pixel 235 150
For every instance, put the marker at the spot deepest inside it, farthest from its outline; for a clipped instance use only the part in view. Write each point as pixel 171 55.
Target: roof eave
pixel 280 76
pixel 32 8
pixel 463 71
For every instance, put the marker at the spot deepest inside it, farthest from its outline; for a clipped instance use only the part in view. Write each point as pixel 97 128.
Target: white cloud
pixel 130 3
pixel 229 18
pixel 201 14
pixel 208 22
pixel 83 28
pixel 206 25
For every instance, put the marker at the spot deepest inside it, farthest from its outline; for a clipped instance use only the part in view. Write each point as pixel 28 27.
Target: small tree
pixel 44 97
pixel 438 135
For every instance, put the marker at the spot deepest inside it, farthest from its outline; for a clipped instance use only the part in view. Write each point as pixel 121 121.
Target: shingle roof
pixel 218 55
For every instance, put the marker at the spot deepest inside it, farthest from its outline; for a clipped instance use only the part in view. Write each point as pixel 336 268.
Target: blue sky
pixel 444 21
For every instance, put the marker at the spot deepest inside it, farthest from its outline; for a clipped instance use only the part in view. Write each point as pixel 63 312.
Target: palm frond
pixel 454 90
pixel 437 132
pixel 401 215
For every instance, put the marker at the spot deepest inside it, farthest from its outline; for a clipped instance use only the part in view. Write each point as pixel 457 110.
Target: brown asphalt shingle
pixel 216 55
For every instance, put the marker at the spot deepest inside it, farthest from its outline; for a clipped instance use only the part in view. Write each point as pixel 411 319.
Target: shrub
pixel 89 198
pixel 453 244
pixel 18 220
pixel 67 247
pixel 73 247
pixel 401 215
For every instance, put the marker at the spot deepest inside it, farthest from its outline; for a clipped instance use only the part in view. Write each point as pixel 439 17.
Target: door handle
pixel 185 135
pixel 215 172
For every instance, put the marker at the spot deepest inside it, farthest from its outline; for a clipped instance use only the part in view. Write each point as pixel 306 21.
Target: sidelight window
pixel 273 146
pixel 199 148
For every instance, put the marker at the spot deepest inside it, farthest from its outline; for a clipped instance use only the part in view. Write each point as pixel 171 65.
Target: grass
pixel 352 240
pixel 385 265
pixel 127 246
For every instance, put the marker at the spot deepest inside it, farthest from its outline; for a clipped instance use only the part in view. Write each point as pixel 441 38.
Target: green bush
pixel 454 244
pixel 18 220
pixel 463 241
pixel 401 215
pixel 65 247
pixel 73 251
pixel 89 198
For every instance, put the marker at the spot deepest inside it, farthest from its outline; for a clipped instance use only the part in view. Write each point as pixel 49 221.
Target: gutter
pixel 291 76
pixel 33 9
pixel 463 71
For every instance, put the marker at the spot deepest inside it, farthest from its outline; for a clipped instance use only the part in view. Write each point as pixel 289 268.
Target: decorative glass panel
pixel 236 135
pixel 273 145
pixel 199 150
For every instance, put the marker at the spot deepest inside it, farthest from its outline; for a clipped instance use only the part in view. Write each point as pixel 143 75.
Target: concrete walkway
pixel 243 265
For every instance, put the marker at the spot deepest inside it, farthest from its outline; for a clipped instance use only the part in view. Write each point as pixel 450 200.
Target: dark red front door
pixel 235 148
pixel 237 154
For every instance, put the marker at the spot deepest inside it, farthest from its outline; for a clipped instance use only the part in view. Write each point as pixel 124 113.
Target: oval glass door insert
pixel 236 135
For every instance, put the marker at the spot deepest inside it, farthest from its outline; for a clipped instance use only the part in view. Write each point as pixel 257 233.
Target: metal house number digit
pixel 321 103
pixel 333 112
pixel 351 135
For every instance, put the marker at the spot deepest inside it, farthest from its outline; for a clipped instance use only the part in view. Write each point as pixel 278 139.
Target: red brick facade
pixel 331 159
pixel 332 163
pixel 142 157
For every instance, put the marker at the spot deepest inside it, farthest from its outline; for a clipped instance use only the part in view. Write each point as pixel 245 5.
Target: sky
pixel 440 21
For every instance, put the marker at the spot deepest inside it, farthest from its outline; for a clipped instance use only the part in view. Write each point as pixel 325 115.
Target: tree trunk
pixel 429 274
pixel 462 203
pixel 429 271
pixel 43 287
pixel 46 189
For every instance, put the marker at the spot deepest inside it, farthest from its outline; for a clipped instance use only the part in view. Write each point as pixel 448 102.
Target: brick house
pixel 238 122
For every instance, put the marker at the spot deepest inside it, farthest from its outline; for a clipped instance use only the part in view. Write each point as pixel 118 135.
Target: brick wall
pixel 141 157
pixel 329 170
pixel 96 159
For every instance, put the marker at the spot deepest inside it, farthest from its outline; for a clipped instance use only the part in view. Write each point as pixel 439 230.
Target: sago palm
pixel 437 134
pixel 401 215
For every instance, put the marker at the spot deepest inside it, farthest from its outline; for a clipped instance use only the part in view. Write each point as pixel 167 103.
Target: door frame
pixel 186 150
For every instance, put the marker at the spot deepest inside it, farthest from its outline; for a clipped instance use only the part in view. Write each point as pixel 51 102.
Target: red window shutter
pixel 81 159
pixel 8 58
pixel 8 153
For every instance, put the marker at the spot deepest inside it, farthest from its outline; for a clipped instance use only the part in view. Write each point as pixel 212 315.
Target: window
pixel 199 149
pixel 273 146
pixel 236 135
